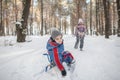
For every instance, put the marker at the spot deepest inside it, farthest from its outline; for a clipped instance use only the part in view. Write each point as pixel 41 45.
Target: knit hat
pixel 80 21
pixel 55 33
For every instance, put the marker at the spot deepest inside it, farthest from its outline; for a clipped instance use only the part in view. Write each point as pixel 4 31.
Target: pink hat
pixel 80 21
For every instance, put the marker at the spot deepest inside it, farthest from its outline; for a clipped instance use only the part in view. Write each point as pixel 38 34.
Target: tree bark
pixel 90 17
pixel 97 11
pixel 118 9
pixel 21 30
pixel 1 23
pixel 41 32
pixel 107 20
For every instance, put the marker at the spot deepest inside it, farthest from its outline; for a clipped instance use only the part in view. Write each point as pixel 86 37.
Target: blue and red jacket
pixel 55 51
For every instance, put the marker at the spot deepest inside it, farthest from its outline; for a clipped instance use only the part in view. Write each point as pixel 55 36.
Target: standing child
pixel 80 34
pixel 56 51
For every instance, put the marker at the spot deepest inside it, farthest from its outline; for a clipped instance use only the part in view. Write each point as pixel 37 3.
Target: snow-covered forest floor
pixel 99 60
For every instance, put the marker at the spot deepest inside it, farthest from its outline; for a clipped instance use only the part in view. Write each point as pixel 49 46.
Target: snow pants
pixel 81 40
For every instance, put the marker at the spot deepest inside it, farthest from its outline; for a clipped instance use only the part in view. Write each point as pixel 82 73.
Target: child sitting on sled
pixel 55 48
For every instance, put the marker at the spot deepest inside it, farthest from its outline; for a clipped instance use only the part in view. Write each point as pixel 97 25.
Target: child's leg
pixel 81 42
pixel 77 42
pixel 67 57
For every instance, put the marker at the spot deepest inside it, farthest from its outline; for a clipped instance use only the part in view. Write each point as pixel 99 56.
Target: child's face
pixel 58 39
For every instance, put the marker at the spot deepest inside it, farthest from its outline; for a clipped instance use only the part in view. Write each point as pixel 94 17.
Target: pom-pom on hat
pixel 55 33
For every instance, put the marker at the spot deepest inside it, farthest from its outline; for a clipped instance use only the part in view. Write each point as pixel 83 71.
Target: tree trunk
pixel 90 17
pixel 102 21
pixel 21 30
pixel 97 11
pixel 16 13
pixel 107 21
pixel 113 21
pixel 1 23
pixel 31 21
pixel 110 17
pixel 41 32
pixel 78 8
pixel 72 23
pixel 118 9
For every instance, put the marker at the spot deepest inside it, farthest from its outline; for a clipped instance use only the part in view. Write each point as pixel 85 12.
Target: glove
pixel 63 72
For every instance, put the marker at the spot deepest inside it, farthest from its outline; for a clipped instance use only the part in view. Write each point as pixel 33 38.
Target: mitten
pixel 63 72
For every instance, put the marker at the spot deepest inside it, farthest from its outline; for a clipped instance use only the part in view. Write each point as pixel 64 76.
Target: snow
pixel 99 60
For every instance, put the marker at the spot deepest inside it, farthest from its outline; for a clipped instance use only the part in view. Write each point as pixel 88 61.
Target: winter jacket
pixel 55 51
pixel 80 30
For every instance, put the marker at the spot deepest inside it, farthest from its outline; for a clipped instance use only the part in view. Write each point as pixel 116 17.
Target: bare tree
pixel 90 17
pixel 1 23
pixel 97 11
pixel 21 30
pixel 41 32
pixel 118 9
pixel 114 11
pixel 31 19
pixel 107 20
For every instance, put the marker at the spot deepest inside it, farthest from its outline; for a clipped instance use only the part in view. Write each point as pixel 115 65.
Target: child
pixel 56 51
pixel 80 34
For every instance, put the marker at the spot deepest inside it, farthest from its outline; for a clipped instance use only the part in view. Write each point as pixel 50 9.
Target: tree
pixel 106 4
pixel 90 17
pixel 97 11
pixel 21 30
pixel 1 22
pixel 41 32
pixel 118 9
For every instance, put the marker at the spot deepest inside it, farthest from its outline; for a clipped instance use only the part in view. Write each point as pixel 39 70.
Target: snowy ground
pixel 100 59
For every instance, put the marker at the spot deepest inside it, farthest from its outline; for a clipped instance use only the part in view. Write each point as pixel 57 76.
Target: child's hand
pixel 63 72
pixel 81 34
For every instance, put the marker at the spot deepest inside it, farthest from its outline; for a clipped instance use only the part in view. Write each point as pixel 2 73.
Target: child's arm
pixel 57 60
pixel 76 31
